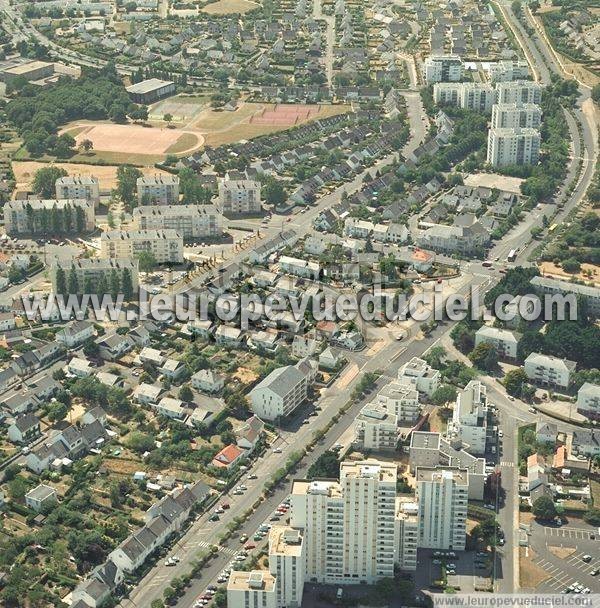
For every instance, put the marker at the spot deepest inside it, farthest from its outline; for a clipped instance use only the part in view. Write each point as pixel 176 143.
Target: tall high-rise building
pixel 513 147
pixel 349 526
pixel 514 116
pixel 518 91
pixel 238 196
pixel 442 495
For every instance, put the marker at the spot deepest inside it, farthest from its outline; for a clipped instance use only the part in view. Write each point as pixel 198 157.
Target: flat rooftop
pixel 382 471
pixel 284 540
pixel 147 86
pixel 257 580
pixel 422 439
pixel 326 486
pixel 24 68
pixel 438 474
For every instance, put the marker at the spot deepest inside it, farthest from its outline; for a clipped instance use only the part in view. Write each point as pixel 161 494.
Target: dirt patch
pixel 130 139
pixel 245 375
pixel 121 467
pixel 562 552
pixel 106 174
pixel 590 273
pixel 493 180
pixel 229 7
pixel 530 574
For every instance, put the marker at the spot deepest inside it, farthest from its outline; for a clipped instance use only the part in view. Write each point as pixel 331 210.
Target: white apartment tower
pixel 78 186
pixel 349 526
pixel 238 197
pixel 443 68
pixel 469 418
pixel 158 189
pixel 514 116
pixel 507 147
pixel 503 71
pixel 191 221
pixel 476 96
pixel 519 91
pixel 286 564
pixel 442 496
pixel 165 245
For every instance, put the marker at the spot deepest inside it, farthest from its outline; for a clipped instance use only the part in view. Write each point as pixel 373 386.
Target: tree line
pixel 56 220
pixel 113 283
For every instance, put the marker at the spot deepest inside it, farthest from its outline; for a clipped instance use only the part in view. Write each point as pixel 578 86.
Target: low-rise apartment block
pixel 160 189
pixel 520 146
pixel 421 375
pixel 91 271
pixel 588 400
pixel 190 221
pixel 283 390
pixel 591 295
pixel 401 398
pixel 165 245
pixel 465 240
pixel 504 341
pixel 66 216
pixel 375 428
pixel 299 267
pixel 78 187
pixel 239 197
pixel 549 371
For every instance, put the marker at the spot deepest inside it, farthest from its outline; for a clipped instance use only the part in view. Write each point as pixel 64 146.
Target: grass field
pixel 228 7
pixel 219 127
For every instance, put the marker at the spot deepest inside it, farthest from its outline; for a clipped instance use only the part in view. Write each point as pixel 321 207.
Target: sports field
pixel 229 7
pixel 135 139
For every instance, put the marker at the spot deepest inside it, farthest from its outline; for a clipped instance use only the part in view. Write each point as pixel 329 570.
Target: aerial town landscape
pixel 299 302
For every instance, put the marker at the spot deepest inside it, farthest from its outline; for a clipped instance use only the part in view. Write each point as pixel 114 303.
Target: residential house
pixel 549 371
pixel 114 346
pixel 504 341
pixel 228 456
pixel 75 333
pixel 24 429
pixel 208 381
pixel 41 497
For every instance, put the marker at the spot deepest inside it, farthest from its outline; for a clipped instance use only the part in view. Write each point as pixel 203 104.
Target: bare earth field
pixel 134 139
pixel 493 180
pixel 228 7
pixel 106 174
pixel 589 273
pixel 531 575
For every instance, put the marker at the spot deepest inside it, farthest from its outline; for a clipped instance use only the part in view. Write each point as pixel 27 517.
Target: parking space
pixel 572 571
pixel 572 533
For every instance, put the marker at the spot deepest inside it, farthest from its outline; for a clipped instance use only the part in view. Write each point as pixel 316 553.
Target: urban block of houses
pixel 283 390
pixel 549 371
pixel 504 341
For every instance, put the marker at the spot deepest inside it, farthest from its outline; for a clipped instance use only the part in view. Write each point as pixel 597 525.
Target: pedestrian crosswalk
pixel 202 544
pixel 507 463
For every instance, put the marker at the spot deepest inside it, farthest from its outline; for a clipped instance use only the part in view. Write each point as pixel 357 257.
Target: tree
pixel 72 284
pixel 326 465
pixel 168 118
pixel 126 285
pixel 571 265
pixel 514 381
pixel 44 181
pixel 147 261
pixel 185 393
pixel 58 411
pixel 484 356
pixel 596 93
pixel 486 531
pixel 592 516
pixel 140 442
pixel 140 113
pixel 544 508
pixel 273 192
pixel 86 145
pixel 91 348
pixel 127 177
pixel 443 394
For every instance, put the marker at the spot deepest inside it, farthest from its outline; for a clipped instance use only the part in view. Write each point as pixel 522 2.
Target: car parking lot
pixel 570 571
pixel 466 570
pixel 567 532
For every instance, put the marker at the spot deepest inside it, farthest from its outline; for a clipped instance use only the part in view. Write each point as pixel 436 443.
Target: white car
pixel 276 450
